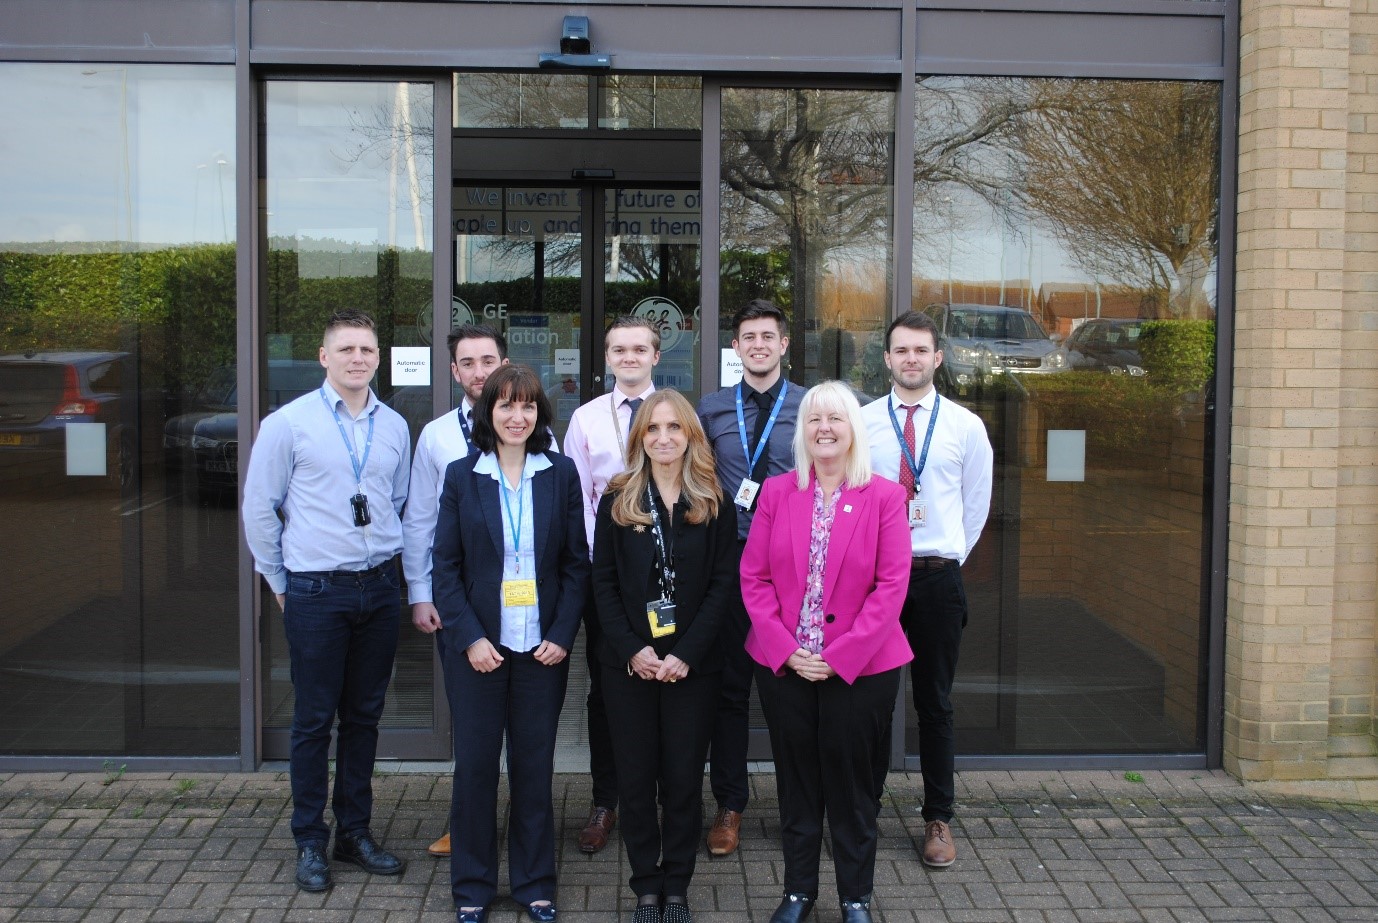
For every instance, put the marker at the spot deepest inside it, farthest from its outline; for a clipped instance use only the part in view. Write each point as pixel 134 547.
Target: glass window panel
pixel 649 101
pixel 119 631
pixel 349 172
pixel 806 223
pixel 521 101
pixel 1065 243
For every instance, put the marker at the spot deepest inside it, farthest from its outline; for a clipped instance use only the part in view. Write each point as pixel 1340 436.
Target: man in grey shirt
pixel 322 505
pixel 751 428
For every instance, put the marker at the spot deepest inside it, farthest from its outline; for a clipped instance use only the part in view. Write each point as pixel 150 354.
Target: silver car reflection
pixel 980 340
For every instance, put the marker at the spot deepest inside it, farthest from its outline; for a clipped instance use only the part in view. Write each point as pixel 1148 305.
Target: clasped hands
pixel 810 666
pixel 484 657
pixel 647 665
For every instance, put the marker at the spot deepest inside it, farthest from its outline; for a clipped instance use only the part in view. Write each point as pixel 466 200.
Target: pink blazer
pixel 864 581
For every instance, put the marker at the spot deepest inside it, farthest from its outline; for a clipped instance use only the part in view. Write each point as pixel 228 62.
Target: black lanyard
pixel 667 573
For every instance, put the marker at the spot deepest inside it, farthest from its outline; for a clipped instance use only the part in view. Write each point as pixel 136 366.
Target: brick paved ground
pixel 1079 847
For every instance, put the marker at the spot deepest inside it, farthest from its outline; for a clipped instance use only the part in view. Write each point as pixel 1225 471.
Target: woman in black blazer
pixel 510 580
pixel 664 555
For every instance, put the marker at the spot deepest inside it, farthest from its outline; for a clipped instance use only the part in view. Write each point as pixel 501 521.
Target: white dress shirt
pixel 521 625
pixel 597 447
pixel 442 441
pixel 956 479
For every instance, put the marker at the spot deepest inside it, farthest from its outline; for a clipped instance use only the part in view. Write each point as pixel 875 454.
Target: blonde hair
pixel 827 397
pixel 698 476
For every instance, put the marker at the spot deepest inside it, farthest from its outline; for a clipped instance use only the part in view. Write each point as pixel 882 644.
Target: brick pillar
pixel 1289 351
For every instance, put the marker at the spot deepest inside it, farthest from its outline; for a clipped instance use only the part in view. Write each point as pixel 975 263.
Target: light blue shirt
pixel 521 625
pixel 300 467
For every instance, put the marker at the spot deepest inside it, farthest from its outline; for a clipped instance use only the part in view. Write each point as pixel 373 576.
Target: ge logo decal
pixel 667 317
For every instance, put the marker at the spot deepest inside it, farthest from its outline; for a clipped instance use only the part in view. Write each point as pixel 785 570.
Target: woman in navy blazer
pixel 510 578
pixel 824 575
pixel 660 674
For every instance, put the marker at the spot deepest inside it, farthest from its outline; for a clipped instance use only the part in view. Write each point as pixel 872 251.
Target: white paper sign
pixel 1066 454
pixel 566 362
pixel 411 365
pixel 85 449
pixel 731 371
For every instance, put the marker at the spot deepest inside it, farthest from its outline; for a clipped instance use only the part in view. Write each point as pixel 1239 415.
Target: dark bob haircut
pixel 512 383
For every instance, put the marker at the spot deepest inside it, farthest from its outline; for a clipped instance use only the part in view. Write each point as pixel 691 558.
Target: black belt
pixel 346 574
pixel 931 562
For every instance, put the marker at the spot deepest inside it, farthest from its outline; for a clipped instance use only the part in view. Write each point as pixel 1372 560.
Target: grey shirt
pixel 301 467
pixel 718 414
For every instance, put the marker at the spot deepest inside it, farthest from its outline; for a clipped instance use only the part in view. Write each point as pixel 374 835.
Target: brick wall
pixel 1300 659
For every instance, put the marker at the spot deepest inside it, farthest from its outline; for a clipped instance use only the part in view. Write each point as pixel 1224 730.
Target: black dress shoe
pixel 360 849
pixel 795 907
pixel 471 916
pixel 541 913
pixel 858 911
pixel 313 872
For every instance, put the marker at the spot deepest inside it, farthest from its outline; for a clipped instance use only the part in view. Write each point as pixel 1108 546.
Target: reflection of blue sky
pixel 338 165
pixel 108 152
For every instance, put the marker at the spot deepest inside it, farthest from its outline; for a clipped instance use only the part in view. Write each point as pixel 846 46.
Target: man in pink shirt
pixel 596 441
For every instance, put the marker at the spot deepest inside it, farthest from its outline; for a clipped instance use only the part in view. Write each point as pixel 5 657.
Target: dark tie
pixel 764 404
pixel 635 404
pixel 906 472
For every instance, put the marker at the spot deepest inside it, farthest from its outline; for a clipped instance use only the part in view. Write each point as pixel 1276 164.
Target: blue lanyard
pixel 368 443
pixel 521 508
pixel 751 460
pixel 916 467
pixel 464 428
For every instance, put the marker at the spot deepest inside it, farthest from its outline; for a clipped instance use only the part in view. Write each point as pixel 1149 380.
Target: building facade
pixel 1146 229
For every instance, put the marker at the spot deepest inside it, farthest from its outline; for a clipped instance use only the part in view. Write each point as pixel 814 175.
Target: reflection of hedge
pixel 1128 421
pixel 1178 354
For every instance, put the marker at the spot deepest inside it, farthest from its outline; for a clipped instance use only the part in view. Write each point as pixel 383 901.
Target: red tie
pixel 906 472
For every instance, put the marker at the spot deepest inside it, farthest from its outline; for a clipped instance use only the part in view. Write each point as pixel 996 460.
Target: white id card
pixel 918 512
pixel 746 493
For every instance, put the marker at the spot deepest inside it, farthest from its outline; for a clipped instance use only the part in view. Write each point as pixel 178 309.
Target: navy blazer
pixel 468 555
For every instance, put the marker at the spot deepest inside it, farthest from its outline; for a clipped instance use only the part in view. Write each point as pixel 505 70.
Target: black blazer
pixel 467 572
pixel 705 557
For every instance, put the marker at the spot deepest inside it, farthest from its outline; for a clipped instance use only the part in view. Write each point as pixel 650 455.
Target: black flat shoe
pixel 648 912
pixel 478 915
pixel 360 849
pixel 795 907
pixel 858 911
pixel 313 871
pixel 541 913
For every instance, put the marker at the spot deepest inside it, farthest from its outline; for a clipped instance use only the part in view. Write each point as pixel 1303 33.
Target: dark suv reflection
pixel 41 393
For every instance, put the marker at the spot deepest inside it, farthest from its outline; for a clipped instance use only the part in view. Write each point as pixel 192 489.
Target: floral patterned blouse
pixel 809 634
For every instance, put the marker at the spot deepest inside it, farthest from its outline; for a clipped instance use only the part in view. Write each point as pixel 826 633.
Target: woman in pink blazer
pixel 824 575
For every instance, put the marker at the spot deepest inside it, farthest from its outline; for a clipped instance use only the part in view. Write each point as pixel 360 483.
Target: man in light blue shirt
pixel 322 511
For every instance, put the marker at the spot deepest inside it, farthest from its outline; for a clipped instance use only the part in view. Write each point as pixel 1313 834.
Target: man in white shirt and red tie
pixel 476 351
pixel 940 453
pixel 596 442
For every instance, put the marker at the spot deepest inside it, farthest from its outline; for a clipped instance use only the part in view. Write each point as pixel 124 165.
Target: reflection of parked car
pixel 1107 345
pixel 42 392
pixel 978 340
pixel 209 435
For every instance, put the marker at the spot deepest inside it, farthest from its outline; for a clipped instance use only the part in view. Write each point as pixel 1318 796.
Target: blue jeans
pixel 342 634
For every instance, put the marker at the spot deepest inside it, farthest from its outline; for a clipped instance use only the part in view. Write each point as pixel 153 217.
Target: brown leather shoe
pixel 938 849
pixel 595 834
pixel 440 847
pixel 725 833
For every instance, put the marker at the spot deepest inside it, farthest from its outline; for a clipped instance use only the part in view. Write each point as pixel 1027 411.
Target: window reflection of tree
pixel 810 171
pixel 1123 174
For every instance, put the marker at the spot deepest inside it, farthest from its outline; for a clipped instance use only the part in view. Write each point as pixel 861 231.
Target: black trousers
pixel 731 731
pixel 601 765
pixel 520 700
pixel 934 614
pixel 831 743
pixel 660 739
